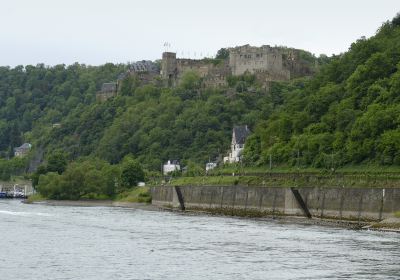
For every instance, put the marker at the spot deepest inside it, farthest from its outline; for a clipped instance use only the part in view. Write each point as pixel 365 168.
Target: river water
pixel 59 242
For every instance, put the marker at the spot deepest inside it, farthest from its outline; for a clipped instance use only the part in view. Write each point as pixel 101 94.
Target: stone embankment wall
pixel 339 203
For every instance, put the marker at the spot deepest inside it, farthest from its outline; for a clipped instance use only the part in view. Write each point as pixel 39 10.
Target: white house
pixel 22 150
pixel 239 136
pixel 211 165
pixel 171 166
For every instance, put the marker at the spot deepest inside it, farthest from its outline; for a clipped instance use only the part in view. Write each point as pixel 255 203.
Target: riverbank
pixel 389 225
pixel 94 203
pixel 358 208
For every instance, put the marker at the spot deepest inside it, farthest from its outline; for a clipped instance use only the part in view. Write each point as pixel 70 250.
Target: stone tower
pixel 169 67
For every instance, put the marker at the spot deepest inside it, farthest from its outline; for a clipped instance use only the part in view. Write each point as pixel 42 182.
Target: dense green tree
pixel 222 53
pixel 131 172
pixel 56 162
pixel 82 179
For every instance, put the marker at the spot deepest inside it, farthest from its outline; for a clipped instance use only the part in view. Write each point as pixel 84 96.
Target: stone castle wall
pixel 213 75
pixel 258 60
pixel 265 62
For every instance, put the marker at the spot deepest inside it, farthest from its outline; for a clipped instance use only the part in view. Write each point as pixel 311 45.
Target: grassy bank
pixel 284 169
pixel 137 194
pixel 295 180
pixel 35 198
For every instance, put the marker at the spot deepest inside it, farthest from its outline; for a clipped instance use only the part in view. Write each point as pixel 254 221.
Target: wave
pixel 25 214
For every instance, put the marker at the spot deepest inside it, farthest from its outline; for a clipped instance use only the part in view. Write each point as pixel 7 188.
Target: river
pixel 61 242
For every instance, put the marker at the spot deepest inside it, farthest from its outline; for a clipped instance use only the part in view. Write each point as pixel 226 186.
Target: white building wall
pixel 170 167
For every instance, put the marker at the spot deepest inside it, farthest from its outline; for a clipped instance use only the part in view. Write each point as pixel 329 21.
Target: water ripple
pixel 48 242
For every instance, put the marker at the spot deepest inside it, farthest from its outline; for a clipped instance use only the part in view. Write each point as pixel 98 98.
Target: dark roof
pixel 144 66
pixel 240 133
pixel 107 87
pixel 25 146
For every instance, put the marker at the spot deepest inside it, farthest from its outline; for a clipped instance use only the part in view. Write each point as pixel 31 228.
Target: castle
pixel 266 63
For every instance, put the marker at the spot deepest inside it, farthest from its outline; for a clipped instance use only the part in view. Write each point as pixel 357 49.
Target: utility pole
pixel 298 158
pixel 270 162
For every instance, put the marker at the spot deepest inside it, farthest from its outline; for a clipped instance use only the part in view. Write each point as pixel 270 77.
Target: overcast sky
pixel 99 31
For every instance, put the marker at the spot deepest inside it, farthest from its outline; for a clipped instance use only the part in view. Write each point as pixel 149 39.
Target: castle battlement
pixel 266 62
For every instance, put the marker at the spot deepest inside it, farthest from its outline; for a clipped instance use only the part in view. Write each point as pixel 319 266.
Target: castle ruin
pixel 265 62
pixel 212 74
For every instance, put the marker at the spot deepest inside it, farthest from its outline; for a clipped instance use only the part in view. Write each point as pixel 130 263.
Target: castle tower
pixel 169 67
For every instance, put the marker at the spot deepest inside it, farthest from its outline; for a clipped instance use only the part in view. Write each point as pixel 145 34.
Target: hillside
pixel 346 114
pixel 54 108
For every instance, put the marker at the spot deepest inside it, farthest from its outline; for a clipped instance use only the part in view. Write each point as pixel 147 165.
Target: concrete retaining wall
pixel 339 203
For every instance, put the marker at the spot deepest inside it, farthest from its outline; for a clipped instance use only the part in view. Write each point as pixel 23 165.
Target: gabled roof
pixel 144 66
pixel 240 133
pixel 25 146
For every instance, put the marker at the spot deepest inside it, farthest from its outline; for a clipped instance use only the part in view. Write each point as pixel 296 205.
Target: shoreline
pixel 95 203
pixel 284 219
pixel 288 219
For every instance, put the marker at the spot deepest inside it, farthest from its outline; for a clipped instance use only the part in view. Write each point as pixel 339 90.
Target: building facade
pixel 171 166
pixel 239 136
pixel 261 61
pixel 107 91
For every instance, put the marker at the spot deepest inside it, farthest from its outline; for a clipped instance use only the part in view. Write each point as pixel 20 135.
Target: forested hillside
pixel 33 98
pixel 150 122
pixel 347 114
